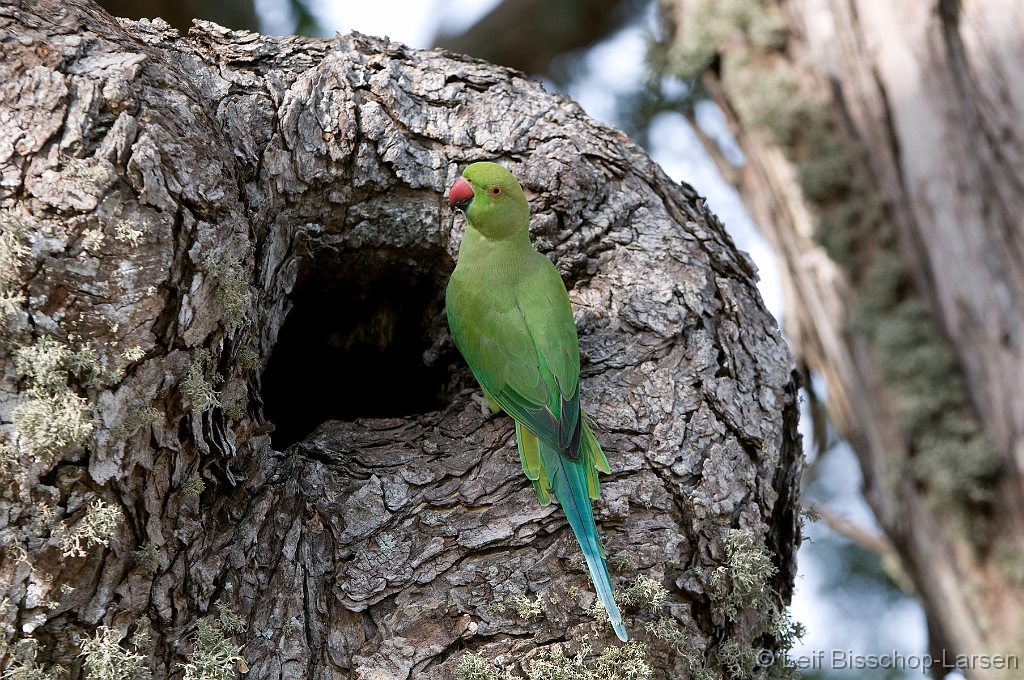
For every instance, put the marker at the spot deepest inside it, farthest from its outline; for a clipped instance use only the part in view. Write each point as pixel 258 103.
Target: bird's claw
pixel 483 403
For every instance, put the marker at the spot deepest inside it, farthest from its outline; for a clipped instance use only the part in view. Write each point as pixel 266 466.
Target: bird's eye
pixel 495 190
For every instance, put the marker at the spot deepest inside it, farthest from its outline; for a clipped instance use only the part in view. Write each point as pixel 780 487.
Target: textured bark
pixel 182 194
pixel 932 96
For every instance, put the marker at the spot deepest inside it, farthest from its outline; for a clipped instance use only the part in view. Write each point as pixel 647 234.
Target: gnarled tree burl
pixel 205 235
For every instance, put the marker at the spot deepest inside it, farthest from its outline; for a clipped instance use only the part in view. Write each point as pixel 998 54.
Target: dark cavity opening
pixel 365 338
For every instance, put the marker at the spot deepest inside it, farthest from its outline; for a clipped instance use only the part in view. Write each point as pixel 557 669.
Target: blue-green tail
pixel 569 482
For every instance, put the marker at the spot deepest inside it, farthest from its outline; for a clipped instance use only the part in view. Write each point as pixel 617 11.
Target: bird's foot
pixel 484 404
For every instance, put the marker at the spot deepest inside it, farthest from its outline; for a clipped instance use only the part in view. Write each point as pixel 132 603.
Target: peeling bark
pixel 173 199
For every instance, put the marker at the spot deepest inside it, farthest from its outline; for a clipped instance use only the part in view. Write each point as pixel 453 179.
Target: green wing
pixel 522 347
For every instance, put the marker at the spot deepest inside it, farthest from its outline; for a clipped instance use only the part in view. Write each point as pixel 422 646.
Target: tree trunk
pixel 207 238
pixel 891 133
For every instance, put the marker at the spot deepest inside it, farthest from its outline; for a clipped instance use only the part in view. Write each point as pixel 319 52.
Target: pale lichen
pixel 291 627
pixel 133 420
pixel 193 487
pixel 128 231
pixel 213 656
pixel 106 659
pixel 198 387
pixel 743 581
pixel 49 423
pixel 616 662
pixel 232 288
pixel 24 666
pixel 524 607
pixel 97 527
pixel 147 557
pixel 740 661
pixel 13 255
pixel 248 358
pixel 230 622
pixel 623 561
pixel 645 593
pixel 475 667
pixel 54 417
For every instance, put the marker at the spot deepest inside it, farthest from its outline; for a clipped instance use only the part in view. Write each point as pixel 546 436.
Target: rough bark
pixel 927 100
pixel 169 200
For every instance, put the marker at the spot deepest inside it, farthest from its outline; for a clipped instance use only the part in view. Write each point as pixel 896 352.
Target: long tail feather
pixel 569 481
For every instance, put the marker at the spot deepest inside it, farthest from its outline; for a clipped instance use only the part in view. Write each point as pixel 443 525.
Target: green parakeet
pixel 510 317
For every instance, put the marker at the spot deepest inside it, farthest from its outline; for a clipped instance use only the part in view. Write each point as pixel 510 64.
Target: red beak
pixel 461 194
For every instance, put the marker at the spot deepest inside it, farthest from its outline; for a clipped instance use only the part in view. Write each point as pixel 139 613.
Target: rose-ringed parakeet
pixel 510 317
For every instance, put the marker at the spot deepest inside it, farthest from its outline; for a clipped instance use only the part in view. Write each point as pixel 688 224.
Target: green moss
pixel 842 227
pixel 106 659
pixel 213 657
pixel 697 45
pixel 475 667
pixel 200 387
pixel 960 466
pixel 232 288
pixel 929 403
pixel 710 23
pixel 767 28
pixel 825 177
pixel 1009 559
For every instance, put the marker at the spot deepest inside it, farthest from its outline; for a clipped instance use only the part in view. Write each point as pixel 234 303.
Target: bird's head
pixel 492 200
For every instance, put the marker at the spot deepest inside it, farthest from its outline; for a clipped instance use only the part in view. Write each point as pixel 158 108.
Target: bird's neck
pixel 510 254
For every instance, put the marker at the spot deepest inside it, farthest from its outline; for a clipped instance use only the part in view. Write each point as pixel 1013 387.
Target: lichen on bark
pixel 292 197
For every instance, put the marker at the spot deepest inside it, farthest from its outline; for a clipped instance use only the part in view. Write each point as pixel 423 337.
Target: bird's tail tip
pixel 620 631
